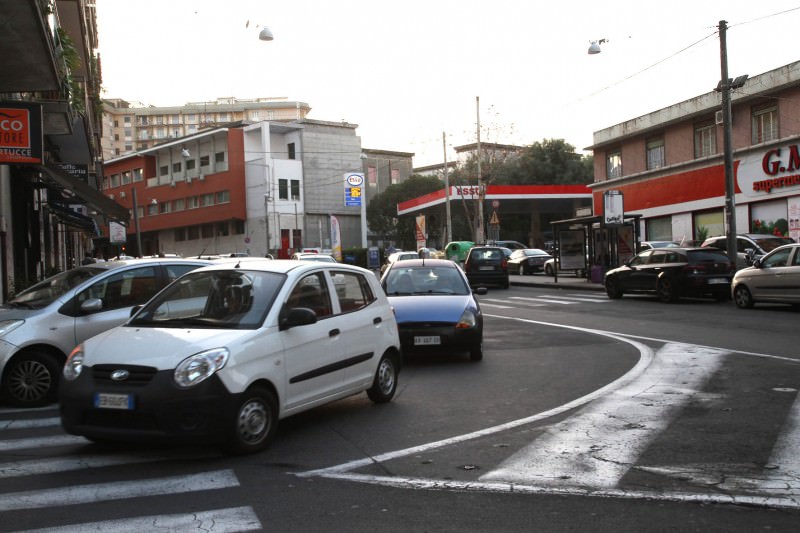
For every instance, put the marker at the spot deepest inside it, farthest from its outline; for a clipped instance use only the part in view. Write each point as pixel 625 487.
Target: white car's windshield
pixel 231 299
pixel 45 292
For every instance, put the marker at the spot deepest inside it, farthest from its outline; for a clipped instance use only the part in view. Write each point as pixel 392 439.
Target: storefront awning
pixel 74 219
pixel 84 194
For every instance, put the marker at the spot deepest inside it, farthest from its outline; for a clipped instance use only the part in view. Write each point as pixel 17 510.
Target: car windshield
pixel 406 281
pixel 229 299
pixel 45 292
pixel 535 251
pixel 706 256
pixel 769 244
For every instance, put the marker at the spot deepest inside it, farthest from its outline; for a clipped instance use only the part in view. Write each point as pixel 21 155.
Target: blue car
pixel 435 307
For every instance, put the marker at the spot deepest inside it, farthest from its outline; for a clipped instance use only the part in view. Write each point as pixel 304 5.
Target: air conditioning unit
pixel 122 194
pixel 718 118
pixel 172 183
pixel 201 177
pixel 188 179
pixel 111 196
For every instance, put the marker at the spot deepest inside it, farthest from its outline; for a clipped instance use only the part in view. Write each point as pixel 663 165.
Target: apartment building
pixel 668 165
pixel 265 187
pixel 129 126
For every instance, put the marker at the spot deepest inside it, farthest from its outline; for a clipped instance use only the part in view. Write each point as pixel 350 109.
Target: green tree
pixel 549 162
pixel 382 216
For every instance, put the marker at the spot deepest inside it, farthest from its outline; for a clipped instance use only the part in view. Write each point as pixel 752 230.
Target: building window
pixel 137 175
pixel 290 149
pixel 126 177
pixel 114 180
pixel 295 189
pixel 152 209
pixel 223 197
pixel 180 234
pixel 254 116
pixel 372 176
pixel 193 233
pixel 126 119
pixel 207 231
pixel 765 124
pixel 219 157
pixel 190 164
pixel 655 154
pixel 283 189
pixel 237 227
pixel 204 161
pixel 165 207
pixel 222 229
pixel 207 199
pixel 395 175
pixel 193 202
pixel 614 164
pixel 179 204
pixel 176 167
pixel 705 140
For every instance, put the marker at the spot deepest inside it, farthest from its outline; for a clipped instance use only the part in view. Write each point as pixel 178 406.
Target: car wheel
pixel 507 284
pixel 31 379
pixel 548 270
pixel 613 289
pixel 476 352
pixel 742 297
pixel 385 383
pixel 255 423
pixel 523 270
pixel 666 290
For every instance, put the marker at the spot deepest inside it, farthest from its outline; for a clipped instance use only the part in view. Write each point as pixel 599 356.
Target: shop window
pixel 765 124
pixel 655 154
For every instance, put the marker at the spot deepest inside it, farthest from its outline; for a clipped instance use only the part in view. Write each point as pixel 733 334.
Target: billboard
pixel 21 139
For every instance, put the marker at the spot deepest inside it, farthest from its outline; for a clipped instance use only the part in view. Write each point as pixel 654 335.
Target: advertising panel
pixel 572 249
pixel 21 133
pixel 353 189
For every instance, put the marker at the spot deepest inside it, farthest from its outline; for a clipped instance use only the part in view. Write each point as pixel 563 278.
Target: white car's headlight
pixel 7 326
pixel 200 366
pixel 74 364
pixel 467 320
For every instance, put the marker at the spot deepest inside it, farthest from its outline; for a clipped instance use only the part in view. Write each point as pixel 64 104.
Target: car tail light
pixel 504 263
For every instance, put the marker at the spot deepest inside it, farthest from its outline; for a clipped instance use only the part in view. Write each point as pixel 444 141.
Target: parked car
pixel 649 245
pixel 434 306
pixel 673 272
pixel 527 261
pixel 513 245
pixel 487 265
pixel 227 351
pixel 326 258
pixel 42 324
pixel 748 246
pixel 773 278
pixel 398 256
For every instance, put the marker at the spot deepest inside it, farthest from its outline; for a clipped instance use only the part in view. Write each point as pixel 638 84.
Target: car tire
pixel 385 383
pixel 476 352
pixel 666 290
pixel 255 421
pixel 523 271
pixel 613 289
pixel 548 270
pixel 31 380
pixel 742 297
pixel 507 284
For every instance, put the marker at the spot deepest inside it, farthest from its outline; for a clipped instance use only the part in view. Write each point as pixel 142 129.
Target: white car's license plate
pixel 113 401
pixel 717 281
pixel 428 340
pixel 486 268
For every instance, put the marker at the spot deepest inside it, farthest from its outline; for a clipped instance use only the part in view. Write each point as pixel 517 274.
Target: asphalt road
pixel 586 414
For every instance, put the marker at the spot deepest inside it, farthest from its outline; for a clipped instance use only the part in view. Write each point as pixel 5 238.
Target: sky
pixel 409 72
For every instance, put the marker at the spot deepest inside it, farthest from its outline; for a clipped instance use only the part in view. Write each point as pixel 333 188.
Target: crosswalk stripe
pixel 53 440
pixel 580 299
pixel 784 463
pixel 597 446
pixel 497 306
pixel 218 521
pixel 30 423
pixel 117 490
pixel 523 298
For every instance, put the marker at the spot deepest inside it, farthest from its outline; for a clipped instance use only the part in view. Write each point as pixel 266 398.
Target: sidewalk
pixel 565 281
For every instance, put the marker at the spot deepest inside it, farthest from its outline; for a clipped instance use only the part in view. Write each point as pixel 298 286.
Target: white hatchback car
pixel 773 278
pixel 226 351
pixel 42 324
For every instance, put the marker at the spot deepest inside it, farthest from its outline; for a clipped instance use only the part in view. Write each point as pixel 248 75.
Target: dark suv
pixel 486 265
pixel 673 272
pixel 748 246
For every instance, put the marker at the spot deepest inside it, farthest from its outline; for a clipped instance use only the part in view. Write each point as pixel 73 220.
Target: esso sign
pixel 11 125
pixel 355 180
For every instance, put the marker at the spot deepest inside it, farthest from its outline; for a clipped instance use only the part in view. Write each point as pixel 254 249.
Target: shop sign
pixel 20 133
pixel 775 170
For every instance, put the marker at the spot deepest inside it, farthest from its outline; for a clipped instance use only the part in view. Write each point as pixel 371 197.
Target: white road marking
pixel 580 299
pixel 117 490
pixel 597 446
pixel 53 440
pixel 784 463
pixel 525 299
pixel 498 306
pixel 30 423
pixel 216 521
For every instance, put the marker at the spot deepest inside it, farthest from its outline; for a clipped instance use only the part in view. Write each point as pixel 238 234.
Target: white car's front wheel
pixel 255 423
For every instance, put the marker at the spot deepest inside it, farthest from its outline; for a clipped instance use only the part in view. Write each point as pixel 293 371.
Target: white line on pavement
pixel 784 463
pixel 117 490
pixel 30 423
pixel 597 446
pixel 54 440
pixel 524 299
pixel 215 521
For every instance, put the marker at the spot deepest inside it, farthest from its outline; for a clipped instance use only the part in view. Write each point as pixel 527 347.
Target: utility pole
pixel 448 223
pixel 480 233
pixel 730 190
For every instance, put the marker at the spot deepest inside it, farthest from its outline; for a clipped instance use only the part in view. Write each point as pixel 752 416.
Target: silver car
pixel 42 324
pixel 772 278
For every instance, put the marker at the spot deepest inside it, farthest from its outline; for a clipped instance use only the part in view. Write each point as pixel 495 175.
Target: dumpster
pixel 457 250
